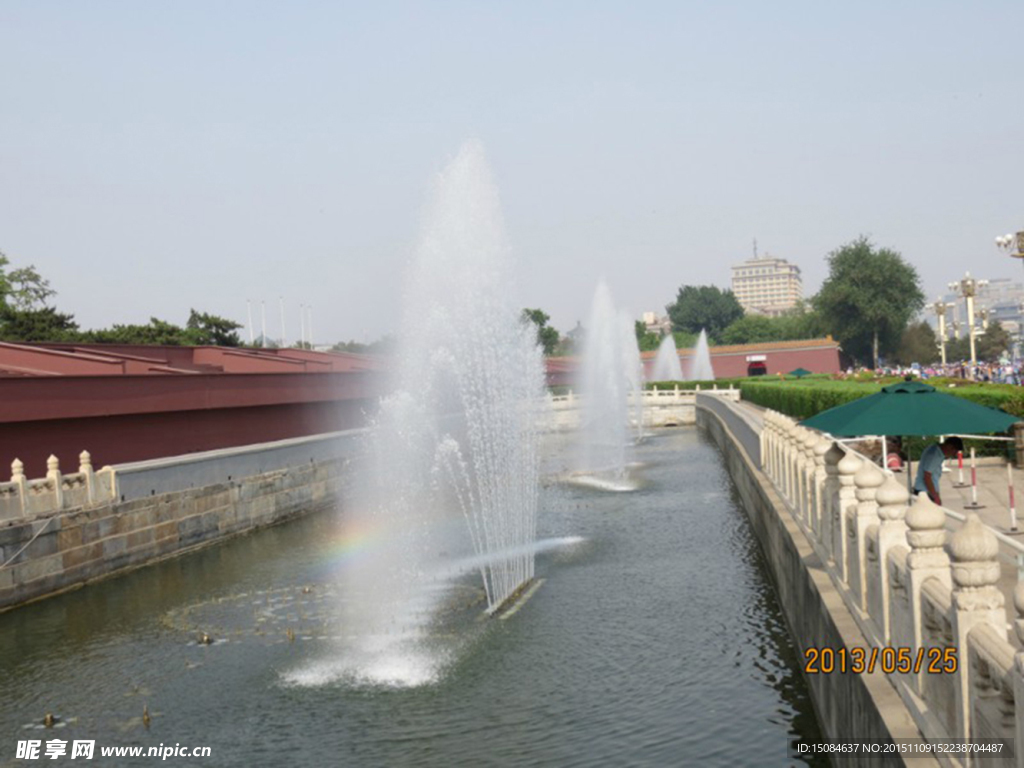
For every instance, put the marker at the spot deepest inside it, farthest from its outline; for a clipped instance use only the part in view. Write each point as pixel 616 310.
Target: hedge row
pixel 803 399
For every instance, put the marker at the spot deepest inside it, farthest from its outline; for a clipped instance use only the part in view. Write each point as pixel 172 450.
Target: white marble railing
pixel 22 497
pixel 908 585
pixel 657 396
pixel 649 408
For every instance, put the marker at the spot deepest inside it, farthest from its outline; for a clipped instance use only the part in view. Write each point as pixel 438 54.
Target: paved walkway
pixel 993 499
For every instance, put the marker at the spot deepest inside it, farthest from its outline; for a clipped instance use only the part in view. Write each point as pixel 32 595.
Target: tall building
pixel 767 285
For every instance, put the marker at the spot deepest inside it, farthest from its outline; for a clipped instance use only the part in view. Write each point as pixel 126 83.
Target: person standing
pixel 929 468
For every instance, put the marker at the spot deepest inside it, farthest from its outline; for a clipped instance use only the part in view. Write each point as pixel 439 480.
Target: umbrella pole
pixel 885 452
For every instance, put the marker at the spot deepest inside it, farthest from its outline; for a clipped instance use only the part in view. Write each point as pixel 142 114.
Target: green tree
pixel 210 329
pixel 751 329
pixel 155 332
pixel 685 340
pixel 993 343
pixel 704 307
pixel 801 322
pixel 547 337
pixel 24 288
pixel 868 298
pixel 28 290
pixel 46 324
pixel 386 345
pixel 958 350
pixel 646 340
pixel 918 344
pixel 797 323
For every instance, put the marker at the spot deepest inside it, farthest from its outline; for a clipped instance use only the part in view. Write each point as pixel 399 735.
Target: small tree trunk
pixel 874 348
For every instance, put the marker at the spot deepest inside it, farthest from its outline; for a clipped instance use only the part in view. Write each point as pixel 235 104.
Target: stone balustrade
pixel 908 584
pixel 62 530
pixel 55 491
pixel 656 407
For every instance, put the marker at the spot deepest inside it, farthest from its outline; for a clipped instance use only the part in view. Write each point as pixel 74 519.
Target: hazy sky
pixel 161 156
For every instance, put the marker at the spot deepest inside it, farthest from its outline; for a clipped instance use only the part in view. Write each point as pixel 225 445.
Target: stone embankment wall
pixel 856 565
pixel 65 530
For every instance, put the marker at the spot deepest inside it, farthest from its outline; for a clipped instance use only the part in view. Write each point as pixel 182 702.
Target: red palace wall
pixel 815 355
pixel 130 418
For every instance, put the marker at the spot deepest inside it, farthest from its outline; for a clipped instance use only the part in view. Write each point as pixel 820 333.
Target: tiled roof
pixel 19 360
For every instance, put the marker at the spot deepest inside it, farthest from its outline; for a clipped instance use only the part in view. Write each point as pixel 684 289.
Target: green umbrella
pixel 799 373
pixel 910 408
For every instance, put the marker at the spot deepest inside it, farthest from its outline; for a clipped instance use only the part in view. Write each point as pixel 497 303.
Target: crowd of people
pixel 1001 373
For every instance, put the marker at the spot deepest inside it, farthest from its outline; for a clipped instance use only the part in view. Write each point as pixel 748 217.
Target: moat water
pixel 655 640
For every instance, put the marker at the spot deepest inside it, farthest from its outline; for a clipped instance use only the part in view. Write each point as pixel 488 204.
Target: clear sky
pixel 157 156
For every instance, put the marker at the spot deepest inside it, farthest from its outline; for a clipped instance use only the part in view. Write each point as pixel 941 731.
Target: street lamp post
pixel 940 308
pixel 968 288
pixel 984 318
pixel 1012 244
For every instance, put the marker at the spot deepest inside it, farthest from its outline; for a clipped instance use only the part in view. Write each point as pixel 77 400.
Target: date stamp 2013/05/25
pixel 827 661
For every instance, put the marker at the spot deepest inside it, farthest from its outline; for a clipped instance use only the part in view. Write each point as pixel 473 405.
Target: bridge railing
pixel 927 602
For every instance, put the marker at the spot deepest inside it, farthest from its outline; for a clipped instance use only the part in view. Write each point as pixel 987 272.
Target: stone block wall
pixel 45 553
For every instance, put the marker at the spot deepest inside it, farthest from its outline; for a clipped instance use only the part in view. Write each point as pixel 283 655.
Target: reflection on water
pixel 654 640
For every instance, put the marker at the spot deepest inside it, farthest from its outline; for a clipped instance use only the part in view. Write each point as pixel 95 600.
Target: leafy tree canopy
pixel 22 289
pixel 796 324
pixel 211 329
pixel 647 341
pixel 704 307
pixel 989 346
pixel 45 324
pixel 918 344
pixel 547 337
pixel 993 343
pixel 383 346
pixel 868 298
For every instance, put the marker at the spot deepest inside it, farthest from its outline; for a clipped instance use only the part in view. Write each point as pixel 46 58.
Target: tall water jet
pixel 700 364
pixel 609 378
pixel 454 465
pixel 667 366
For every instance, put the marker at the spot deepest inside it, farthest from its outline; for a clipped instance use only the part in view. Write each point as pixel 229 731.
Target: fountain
pixel 700 364
pixel 452 481
pixel 610 377
pixel 666 365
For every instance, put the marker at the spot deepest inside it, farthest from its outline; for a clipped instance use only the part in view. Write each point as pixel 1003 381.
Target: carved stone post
pixel 892 499
pixel 18 476
pixel 1018 670
pixel 830 497
pixel 54 476
pixel 777 450
pixel 863 516
pixel 85 467
pixel 818 484
pixel 796 492
pixel 762 438
pixel 805 466
pixel 976 600
pixel 926 535
pixel 845 508
pixel 790 458
pixel 807 499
